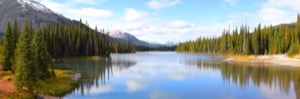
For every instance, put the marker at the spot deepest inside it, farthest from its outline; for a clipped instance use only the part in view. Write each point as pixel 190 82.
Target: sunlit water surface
pixel 169 75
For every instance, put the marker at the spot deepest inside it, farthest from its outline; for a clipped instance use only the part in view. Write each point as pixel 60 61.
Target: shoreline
pixel 7 88
pixel 279 59
pixel 75 77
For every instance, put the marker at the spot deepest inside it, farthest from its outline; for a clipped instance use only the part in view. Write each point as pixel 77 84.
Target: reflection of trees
pixel 242 74
pixel 94 72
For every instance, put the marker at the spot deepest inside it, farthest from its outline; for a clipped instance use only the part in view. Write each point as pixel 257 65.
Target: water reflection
pixel 168 75
pixel 261 75
pixel 94 72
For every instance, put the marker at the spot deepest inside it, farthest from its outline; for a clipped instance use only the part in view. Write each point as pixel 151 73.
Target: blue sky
pixel 175 20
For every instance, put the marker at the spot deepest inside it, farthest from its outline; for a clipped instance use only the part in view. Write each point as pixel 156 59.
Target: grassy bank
pixel 84 57
pixel 59 85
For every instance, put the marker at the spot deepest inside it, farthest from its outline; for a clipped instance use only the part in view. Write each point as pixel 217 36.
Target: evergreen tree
pixel 7 51
pixel 15 35
pixel 41 57
pixel 25 72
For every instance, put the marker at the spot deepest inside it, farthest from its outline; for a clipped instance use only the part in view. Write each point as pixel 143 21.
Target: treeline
pixel 161 48
pixel 267 40
pixel 123 48
pixel 75 40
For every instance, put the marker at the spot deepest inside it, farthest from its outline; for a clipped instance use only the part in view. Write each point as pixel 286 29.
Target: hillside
pixel 37 13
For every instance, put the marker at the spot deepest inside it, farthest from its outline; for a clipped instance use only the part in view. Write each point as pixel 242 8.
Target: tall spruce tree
pixel 15 34
pixel 25 72
pixel 41 57
pixel 8 49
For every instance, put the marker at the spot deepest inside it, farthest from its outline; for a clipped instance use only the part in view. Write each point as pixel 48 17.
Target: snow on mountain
pixel 127 37
pixel 31 10
pixel 122 35
pixel 34 5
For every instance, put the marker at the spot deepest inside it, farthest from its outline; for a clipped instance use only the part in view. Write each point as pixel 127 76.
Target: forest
pixel 75 40
pixel 279 39
pixel 28 54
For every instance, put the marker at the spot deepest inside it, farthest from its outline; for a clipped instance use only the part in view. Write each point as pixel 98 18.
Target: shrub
pixel 5 73
pixel 7 78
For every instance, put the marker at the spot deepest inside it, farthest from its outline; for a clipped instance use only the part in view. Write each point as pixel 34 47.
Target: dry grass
pixel 297 56
pixel 243 58
pixel 16 95
pixel 95 57
pixel 63 72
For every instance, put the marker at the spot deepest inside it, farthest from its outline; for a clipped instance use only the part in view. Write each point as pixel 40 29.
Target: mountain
pixel 127 37
pixel 35 12
pixel 169 43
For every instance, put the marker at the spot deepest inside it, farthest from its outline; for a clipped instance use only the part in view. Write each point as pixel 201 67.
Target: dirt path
pixel 6 86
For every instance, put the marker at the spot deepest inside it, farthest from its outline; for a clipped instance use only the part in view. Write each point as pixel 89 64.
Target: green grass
pixel 57 86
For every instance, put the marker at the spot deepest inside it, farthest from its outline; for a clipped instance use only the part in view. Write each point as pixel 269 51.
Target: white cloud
pixel 134 15
pixel 89 2
pixel 95 16
pixel 140 23
pixel 290 4
pixel 271 12
pixel 102 89
pixel 179 24
pixel 134 86
pixel 159 4
pixel 279 11
pixel 170 30
pixel 90 12
pixel 230 2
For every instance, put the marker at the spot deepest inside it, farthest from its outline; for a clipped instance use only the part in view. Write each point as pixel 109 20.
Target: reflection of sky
pixel 272 92
pixel 166 76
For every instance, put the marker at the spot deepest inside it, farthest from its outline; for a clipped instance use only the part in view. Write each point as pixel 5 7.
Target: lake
pixel 170 75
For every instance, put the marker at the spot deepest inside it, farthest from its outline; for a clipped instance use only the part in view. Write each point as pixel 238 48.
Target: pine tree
pixel 25 72
pixel 294 49
pixel 15 34
pixel 255 42
pixel 41 57
pixel 7 51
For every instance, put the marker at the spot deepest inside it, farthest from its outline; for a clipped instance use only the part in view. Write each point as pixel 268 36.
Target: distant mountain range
pixel 127 37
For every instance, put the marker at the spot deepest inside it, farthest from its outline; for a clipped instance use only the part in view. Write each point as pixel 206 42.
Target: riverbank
pixel 281 59
pixel 64 82
pixel 80 58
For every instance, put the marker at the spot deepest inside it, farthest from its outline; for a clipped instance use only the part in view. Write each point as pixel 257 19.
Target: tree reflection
pixel 242 74
pixel 94 72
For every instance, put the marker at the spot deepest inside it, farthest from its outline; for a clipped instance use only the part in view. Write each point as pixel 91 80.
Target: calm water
pixel 168 75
